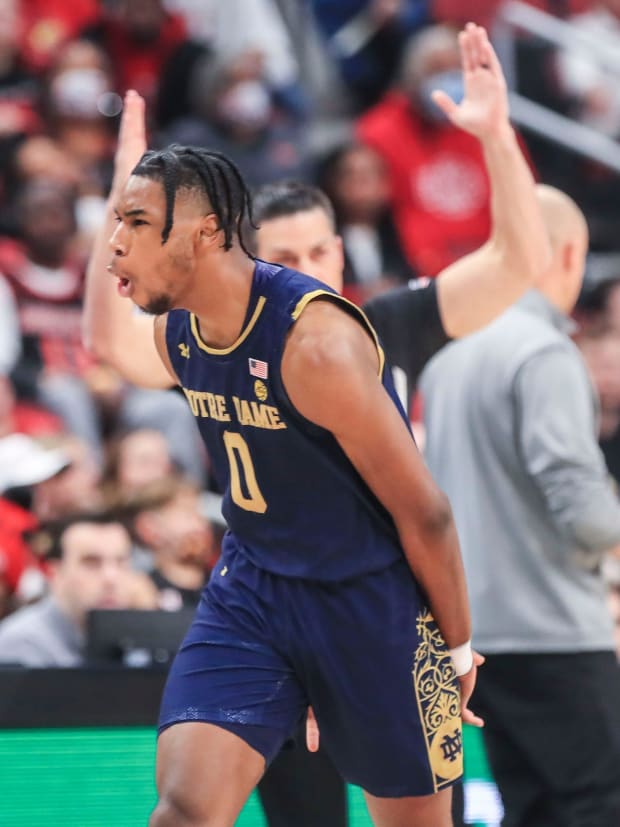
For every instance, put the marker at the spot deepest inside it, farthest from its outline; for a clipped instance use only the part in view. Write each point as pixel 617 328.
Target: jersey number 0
pixel 240 463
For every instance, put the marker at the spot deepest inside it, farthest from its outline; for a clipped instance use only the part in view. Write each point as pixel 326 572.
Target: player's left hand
pixel 468 681
pixel 312 731
pixel 484 109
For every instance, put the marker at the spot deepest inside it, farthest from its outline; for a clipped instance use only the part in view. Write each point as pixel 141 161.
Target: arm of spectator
pixel 10 339
pixel 556 434
pixel 478 287
pixel 112 329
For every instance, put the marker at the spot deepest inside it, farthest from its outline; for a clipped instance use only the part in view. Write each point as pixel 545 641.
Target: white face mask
pixel 84 93
pixel 246 104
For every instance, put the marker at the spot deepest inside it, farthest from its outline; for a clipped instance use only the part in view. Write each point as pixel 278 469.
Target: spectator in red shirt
pixel 439 185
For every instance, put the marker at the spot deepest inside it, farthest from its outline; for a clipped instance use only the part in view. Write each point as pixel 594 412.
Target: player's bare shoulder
pixel 327 352
pixel 327 337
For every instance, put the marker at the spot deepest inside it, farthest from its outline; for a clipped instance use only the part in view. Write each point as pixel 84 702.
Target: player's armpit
pixel 330 371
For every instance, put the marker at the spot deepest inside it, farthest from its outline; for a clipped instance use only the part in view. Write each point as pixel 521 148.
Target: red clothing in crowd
pixel 47 24
pixel 34 421
pixel 15 555
pixel 440 187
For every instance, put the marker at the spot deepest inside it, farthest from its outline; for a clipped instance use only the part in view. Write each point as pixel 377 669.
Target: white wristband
pixel 462 658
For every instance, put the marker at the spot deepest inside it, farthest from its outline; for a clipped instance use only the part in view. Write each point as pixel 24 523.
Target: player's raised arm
pixel 475 289
pixel 111 328
pixel 330 371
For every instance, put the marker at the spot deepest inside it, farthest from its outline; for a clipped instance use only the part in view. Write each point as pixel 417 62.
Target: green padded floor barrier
pixel 103 777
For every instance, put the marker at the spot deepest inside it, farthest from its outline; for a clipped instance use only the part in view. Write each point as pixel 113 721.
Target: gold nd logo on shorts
pixel 439 703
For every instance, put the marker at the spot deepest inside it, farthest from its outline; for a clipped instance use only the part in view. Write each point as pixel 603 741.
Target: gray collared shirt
pixel 41 635
pixel 511 420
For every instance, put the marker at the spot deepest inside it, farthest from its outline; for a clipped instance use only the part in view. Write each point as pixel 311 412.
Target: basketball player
pixel 340 583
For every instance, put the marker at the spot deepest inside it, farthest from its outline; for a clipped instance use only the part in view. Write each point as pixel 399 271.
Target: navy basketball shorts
pixel 365 653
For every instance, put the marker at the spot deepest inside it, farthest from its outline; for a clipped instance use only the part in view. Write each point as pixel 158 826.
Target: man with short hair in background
pixel 89 568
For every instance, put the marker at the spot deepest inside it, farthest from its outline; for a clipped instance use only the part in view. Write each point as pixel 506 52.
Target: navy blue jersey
pixel 293 502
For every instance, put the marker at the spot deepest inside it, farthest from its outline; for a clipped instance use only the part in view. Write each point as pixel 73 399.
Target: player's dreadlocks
pixel 211 173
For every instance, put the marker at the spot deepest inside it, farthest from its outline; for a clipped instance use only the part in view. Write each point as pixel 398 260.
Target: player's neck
pixel 220 303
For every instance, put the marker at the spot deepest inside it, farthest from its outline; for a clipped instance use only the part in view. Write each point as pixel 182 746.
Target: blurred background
pixel 332 92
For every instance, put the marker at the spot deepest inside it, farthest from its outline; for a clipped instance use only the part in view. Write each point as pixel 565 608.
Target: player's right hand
pixel 468 681
pixel 131 139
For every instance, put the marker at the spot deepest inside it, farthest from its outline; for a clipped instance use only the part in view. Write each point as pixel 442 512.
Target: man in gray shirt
pixel 90 569
pixel 511 422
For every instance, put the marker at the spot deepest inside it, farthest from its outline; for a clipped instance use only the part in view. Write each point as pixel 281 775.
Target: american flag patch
pixel 258 368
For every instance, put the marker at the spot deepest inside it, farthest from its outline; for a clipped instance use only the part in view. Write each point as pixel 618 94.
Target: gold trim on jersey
pixel 313 294
pixel 242 337
pixel 439 703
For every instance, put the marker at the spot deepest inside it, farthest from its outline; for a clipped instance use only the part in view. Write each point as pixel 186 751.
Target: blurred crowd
pixel 331 93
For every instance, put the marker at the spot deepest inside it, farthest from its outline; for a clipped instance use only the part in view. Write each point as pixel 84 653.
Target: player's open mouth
pixel 125 287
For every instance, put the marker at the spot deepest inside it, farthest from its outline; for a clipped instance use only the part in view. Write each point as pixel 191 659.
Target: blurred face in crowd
pixel 178 531
pixel 41 157
pixel 143 457
pixel 602 357
pixel 142 18
pixel 81 85
pixel 94 572
pixel 305 241
pixel 432 61
pixel 359 185
pixel 47 221
pixel 74 489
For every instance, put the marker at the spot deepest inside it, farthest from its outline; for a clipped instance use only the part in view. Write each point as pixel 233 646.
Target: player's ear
pixel 568 256
pixel 209 229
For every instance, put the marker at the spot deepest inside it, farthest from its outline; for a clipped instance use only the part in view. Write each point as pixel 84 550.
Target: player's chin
pixel 154 305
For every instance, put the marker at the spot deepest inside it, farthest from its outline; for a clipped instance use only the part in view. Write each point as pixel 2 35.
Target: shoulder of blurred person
pixel 41 636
